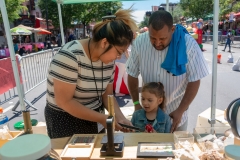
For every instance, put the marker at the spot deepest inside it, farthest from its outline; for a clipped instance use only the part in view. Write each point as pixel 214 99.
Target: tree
pixel 228 6
pixel 197 9
pixel 14 7
pixel 93 12
pixel 51 7
pixel 144 23
pixel 81 13
pixel 177 13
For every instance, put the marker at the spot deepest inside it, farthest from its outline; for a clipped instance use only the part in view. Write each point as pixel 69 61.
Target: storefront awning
pixel 41 23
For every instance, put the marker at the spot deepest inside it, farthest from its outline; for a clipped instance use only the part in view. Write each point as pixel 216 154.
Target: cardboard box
pixel 14 134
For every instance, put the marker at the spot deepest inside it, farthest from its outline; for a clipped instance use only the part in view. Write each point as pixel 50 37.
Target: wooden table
pixel 130 139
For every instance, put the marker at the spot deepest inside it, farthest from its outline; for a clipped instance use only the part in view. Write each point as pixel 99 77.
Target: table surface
pixel 130 139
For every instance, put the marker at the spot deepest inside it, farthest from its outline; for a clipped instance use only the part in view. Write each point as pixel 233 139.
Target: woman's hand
pixel 118 127
pixel 127 122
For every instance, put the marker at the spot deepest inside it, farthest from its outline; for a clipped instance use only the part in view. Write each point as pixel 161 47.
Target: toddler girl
pixel 151 118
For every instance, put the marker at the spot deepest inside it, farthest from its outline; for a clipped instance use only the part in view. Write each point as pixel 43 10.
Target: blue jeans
pixel 229 45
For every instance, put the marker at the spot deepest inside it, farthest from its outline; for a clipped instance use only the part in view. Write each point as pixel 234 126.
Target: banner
pixel 7 80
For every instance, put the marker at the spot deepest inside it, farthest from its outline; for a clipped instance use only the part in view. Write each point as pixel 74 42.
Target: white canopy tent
pixel 12 54
pixel 62 2
pixel 215 45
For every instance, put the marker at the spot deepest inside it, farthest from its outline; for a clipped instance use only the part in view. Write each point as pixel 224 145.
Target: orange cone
pixel 219 56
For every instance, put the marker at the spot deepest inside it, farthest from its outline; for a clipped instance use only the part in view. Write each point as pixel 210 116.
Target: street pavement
pixel 227 90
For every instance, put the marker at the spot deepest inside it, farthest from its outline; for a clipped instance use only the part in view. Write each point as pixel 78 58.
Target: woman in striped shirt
pixel 80 78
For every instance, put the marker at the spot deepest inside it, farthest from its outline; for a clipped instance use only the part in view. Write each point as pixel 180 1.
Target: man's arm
pixel 133 89
pixel 190 93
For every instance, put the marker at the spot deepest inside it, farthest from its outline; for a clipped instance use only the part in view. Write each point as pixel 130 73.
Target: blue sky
pixel 141 7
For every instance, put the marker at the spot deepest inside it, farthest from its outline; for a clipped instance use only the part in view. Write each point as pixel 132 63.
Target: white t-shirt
pixel 72 65
pixel 146 60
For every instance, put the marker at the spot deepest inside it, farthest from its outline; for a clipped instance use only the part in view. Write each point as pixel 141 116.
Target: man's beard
pixel 159 48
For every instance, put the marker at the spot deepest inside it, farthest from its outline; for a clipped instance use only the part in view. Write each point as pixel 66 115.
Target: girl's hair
pixel 158 90
pixel 117 29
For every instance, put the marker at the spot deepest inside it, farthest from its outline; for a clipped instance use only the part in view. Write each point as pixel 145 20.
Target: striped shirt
pixel 72 65
pixel 146 60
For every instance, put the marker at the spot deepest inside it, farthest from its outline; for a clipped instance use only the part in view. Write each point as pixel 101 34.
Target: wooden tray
pixel 79 147
pixel 14 134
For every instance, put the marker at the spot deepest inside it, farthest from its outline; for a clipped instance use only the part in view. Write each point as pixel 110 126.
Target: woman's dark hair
pixel 158 90
pixel 118 30
pixel 159 19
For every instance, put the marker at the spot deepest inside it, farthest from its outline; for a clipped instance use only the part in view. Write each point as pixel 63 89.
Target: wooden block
pixel 14 134
pixel 79 147
pixel 237 141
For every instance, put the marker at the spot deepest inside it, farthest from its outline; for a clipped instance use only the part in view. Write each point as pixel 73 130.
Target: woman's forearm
pixel 76 109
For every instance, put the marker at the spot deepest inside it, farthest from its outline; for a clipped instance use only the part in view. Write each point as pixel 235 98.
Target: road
pixel 227 90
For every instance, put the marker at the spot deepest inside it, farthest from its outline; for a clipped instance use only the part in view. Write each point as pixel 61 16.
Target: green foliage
pixel 144 23
pixel 80 13
pixel 94 11
pixel 51 8
pixel 197 8
pixel 177 14
pixel 14 7
pixel 227 6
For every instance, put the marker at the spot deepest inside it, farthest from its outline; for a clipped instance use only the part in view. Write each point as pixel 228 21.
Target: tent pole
pixel 12 54
pixel 61 23
pixel 167 5
pixel 214 62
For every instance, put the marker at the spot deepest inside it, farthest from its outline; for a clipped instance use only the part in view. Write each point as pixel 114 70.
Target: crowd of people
pixel 81 76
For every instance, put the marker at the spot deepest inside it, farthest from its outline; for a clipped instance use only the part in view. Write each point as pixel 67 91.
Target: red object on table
pixel 149 128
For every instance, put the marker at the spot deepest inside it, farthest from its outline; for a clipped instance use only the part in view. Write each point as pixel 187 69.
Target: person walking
pixel 167 54
pixel 228 41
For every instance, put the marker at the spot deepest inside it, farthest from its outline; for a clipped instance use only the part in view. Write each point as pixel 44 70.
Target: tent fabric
pixel 28 28
pixel 86 1
pixel 43 31
pixel 20 31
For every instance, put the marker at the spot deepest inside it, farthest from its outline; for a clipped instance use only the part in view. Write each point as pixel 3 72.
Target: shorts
pixel 62 124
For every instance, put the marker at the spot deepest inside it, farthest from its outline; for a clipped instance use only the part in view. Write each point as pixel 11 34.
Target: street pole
pixel 46 13
pixel 59 2
pixel 214 60
pixel 167 5
pixel 26 113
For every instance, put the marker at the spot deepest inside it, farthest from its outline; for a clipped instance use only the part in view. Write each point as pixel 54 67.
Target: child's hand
pixel 149 128
pixel 151 131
